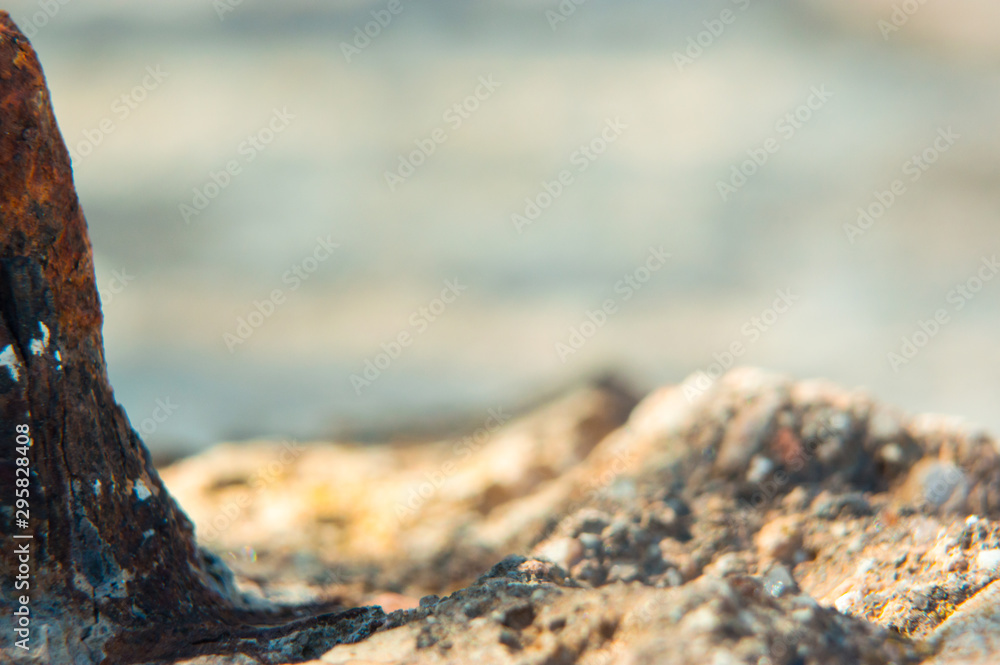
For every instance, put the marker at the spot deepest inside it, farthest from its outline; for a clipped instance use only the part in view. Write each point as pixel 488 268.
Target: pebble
pixel 589 571
pixel 590 541
pixel 780 539
pixel 728 564
pixel 852 504
pixel 564 552
pixel 891 453
pixel 797 499
pixel 616 530
pixel 623 572
pixel 673 577
pixel 779 581
pixel 702 620
pixel 937 483
pixel 760 468
pixel 804 615
pixel 592 521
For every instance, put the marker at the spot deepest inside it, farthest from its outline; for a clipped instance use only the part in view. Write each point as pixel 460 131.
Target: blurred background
pixel 157 100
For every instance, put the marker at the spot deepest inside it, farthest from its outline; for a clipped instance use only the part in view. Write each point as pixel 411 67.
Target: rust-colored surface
pixel 110 550
pixel 39 212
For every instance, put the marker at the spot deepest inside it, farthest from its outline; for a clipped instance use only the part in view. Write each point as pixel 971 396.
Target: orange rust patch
pixel 40 216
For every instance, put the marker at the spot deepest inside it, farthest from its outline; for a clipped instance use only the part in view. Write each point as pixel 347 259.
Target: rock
pixel 939 485
pixel 971 635
pixel 691 553
pixel 760 468
pixel 727 564
pixel 627 623
pixel 564 552
pixel 832 506
pixel 780 539
pixel 778 581
pixel 431 516
pixel 94 495
pixel 113 571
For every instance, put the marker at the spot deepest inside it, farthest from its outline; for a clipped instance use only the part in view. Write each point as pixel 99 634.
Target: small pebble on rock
pixel 779 581
pixel 780 539
pixel 564 552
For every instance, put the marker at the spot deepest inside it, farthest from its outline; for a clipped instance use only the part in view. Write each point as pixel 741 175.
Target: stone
pixel 691 554
pixel 564 552
pixel 778 581
pixel 780 539
pixel 114 570
pixel 971 635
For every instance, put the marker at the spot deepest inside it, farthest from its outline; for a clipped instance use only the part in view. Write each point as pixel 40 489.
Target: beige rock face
pixel 431 515
pixel 760 520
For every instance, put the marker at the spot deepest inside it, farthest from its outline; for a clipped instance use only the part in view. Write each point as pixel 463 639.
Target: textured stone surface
pixel 115 575
pixel 446 510
pixel 833 530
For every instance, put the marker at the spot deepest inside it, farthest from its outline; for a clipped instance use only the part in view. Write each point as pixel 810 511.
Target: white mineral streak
pixel 38 346
pixel 8 359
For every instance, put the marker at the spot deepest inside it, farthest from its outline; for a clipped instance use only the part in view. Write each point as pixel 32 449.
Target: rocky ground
pixel 763 520
pixel 753 519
